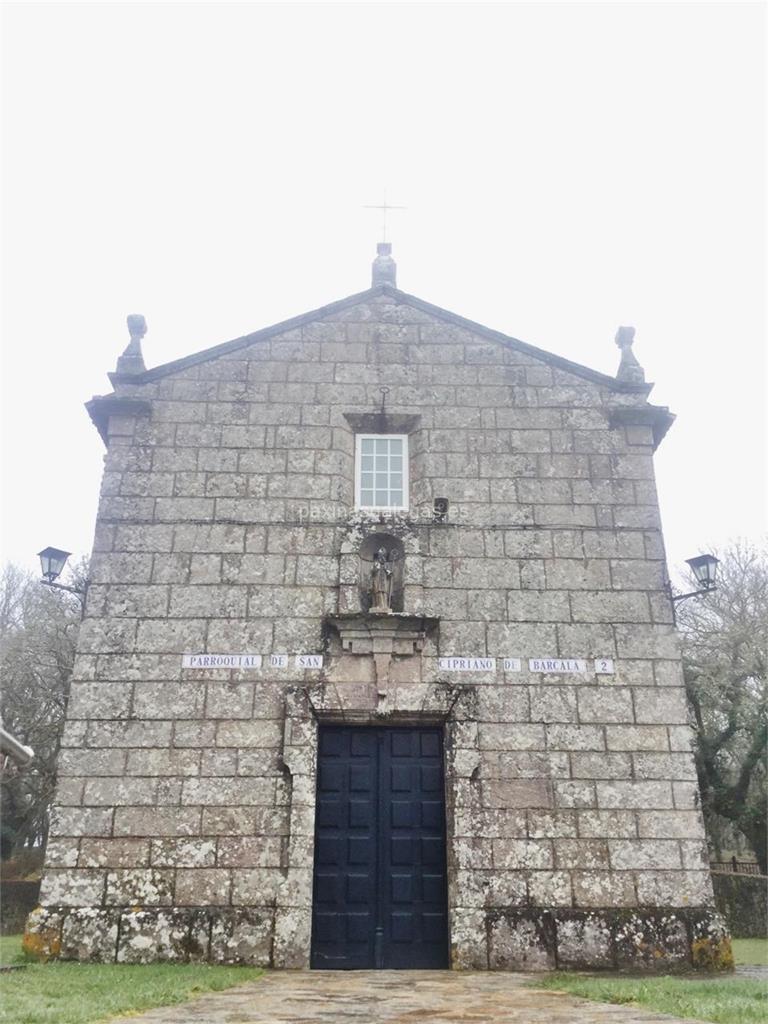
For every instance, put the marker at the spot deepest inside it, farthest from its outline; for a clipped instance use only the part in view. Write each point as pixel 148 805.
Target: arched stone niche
pixel 395 560
pixel 352 571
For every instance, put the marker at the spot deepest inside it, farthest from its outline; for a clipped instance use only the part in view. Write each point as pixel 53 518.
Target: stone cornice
pixel 393 632
pixel 382 422
pixel 658 417
pixel 384 636
pixel 101 407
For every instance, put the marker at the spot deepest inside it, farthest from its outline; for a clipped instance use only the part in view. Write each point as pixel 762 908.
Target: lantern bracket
pixel 694 593
pixel 63 586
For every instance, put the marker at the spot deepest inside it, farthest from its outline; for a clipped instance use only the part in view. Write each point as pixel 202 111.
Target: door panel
pixel 416 931
pixel 345 850
pixel 380 894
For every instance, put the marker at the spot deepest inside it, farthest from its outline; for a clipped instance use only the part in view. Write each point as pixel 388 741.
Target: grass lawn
pixel 10 950
pixel 723 1000
pixel 71 993
pixel 750 951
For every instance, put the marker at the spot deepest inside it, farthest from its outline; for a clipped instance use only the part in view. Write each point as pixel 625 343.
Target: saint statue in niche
pixel 382 563
pixel 381 581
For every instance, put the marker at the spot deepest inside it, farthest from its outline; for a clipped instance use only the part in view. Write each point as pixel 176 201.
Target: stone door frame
pixel 453 707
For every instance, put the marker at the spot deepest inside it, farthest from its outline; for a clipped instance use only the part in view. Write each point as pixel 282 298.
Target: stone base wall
pixel 660 940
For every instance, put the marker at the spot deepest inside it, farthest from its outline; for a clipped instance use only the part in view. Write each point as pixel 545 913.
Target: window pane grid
pixel 381 478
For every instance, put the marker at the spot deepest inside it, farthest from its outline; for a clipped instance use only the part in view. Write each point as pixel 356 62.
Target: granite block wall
pixel 185 807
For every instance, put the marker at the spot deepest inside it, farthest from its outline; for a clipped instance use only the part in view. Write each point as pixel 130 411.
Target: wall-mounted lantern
pixel 704 568
pixel 52 562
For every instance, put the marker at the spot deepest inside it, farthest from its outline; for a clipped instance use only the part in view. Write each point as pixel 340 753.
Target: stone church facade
pixel 378 665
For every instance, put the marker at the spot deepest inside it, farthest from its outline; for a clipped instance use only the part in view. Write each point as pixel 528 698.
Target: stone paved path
pixel 393 997
pixel 755 972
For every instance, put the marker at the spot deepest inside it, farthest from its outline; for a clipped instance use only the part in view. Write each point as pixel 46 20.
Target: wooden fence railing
pixel 736 867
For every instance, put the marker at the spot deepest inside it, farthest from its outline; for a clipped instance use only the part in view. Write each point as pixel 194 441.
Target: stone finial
pixel 137 326
pixel 629 368
pixel 132 360
pixel 384 267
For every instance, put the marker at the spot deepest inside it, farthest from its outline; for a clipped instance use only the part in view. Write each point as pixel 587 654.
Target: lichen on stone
pixel 710 954
pixel 42 935
pixel 711 948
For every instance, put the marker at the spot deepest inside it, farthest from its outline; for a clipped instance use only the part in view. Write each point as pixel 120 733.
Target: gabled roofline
pixel 164 369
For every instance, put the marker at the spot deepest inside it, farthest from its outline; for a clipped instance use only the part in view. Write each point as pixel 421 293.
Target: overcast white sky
pixel 566 167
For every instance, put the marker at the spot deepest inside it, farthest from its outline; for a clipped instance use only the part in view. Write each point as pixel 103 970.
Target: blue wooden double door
pixel 380 893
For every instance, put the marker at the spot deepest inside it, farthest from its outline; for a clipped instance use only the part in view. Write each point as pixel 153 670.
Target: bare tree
pixel 725 650
pixel 38 633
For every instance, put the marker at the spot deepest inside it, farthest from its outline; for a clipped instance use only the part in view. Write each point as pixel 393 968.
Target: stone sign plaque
pixel 309 661
pixel 226 661
pixel 564 665
pixel 467 664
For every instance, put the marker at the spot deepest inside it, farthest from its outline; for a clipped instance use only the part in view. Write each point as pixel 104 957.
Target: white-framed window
pixel 381 471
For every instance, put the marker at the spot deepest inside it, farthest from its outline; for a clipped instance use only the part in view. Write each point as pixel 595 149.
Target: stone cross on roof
pixel 384 207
